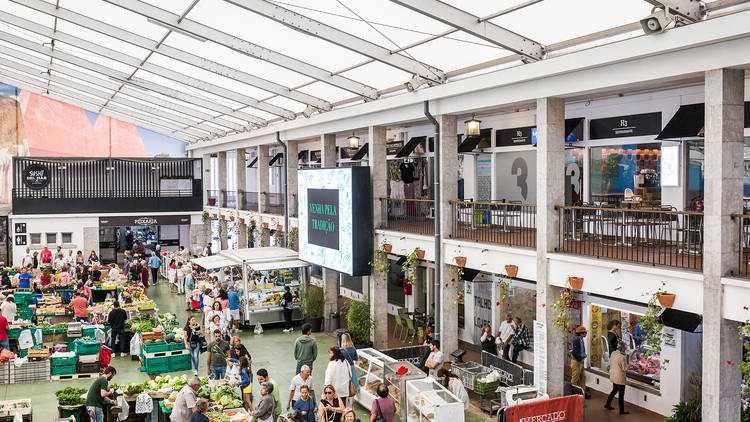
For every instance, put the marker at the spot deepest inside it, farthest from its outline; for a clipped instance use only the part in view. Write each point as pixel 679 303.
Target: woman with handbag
pixel 383 407
pixel 263 410
pixel 331 405
pixel 350 354
pixel 338 373
pixel 193 341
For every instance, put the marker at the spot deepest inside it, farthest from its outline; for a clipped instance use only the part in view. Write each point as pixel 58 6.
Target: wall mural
pixel 32 125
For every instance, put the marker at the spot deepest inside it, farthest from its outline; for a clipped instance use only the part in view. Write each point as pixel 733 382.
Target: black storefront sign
pixel 36 176
pixel 20 240
pixel 323 217
pixel 510 373
pixel 144 220
pixel 625 126
pixel 513 136
pixel 19 228
pixel 416 355
pixel 392 148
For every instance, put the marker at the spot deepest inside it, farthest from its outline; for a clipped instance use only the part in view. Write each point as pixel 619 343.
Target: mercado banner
pixel 561 409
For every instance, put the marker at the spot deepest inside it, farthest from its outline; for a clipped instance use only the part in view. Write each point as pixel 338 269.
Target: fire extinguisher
pixel 406 286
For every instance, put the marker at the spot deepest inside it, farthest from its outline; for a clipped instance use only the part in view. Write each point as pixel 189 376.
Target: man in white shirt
pixel 8 309
pixel 28 259
pixel 505 336
pixel 435 360
pixel 114 273
pixel 303 378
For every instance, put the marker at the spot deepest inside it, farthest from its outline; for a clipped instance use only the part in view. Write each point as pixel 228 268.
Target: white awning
pixel 276 265
pixel 259 255
pixel 214 262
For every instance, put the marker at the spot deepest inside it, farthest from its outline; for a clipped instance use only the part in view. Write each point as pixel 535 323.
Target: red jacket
pixel 46 256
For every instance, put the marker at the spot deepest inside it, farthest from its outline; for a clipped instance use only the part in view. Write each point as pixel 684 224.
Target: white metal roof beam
pixel 328 33
pixel 687 9
pixel 123 77
pixel 158 70
pixel 175 53
pixel 76 99
pixel 188 26
pixel 473 25
pixel 104 95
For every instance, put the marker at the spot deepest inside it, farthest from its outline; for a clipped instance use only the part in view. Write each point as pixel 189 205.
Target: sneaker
pixel 287 330
pixel 122 355
pixel 195 373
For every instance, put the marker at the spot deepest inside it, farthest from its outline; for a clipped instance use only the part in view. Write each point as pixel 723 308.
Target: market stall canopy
pixel 215 261
pixel 277 265
pixel 261 255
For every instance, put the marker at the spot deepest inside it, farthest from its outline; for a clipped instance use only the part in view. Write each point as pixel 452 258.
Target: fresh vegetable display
pixel 133 388
pixel 204 392
pixel 167 321
pixel 226 397
pixel 70 396
pixel 217 416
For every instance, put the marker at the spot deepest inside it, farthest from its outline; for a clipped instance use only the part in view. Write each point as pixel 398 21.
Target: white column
pixel 292 163
pixel 448 334
pixel 222 178
pixel 328 150
pixel 206 176
pixel 262 177
pixel 330 277
pixel 223 237
pixel 550 188
pixel 378 286
pixel 724 91
pixel 241 235
pixel 240 177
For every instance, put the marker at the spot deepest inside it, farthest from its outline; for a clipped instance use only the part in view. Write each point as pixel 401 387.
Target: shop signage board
pixel 415 355
pixel 514 136
pixel 335 219
pixel 567 409
pixel 20 240
pixel 144 220
pixel 484 177
pixel 392 148
pixel 20 228
pixel 625 126
pixel 540 356
pixel 36 176
pixel 482 308
pixel 510 373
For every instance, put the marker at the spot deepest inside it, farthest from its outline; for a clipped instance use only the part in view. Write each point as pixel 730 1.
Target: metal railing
pixel 229 198
pixel 651 236
pixel 743 225
pixel 274 203
pixel 212 198
pixel 506 223
pixel 248 201
pixel 409 215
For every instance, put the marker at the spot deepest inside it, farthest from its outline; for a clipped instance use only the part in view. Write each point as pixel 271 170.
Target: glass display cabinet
pixel 428 400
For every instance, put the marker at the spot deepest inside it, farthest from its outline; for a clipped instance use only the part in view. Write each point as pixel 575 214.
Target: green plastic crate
pixel 14 332
pixel 64 361
pixel 23 298
pixel 156 365
pixel 180 363
pixel 63 370
pixel 178 345
pixel 88 332
pixel 67 412
pixel 155 347
pixel 87 347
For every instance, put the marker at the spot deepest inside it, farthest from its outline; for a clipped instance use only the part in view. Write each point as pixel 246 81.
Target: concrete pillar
pixel 206 176
pixel 292 164
pixel 198 238
pixel 550 188
pixel 448 327
pixel 240 179
pixel 724 93
pixel 223 234
pixel 378 286
pixel 328 150
pixel 263 187
pixel 265 237
pixel 222 179
pixel 241 235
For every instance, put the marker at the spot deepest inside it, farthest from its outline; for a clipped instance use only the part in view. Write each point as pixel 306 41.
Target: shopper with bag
pixel 263 411
pixel 217 356
pixel 383 407
pixel 193 339
pixel 331 406
pixel 350 354
pixel 338 374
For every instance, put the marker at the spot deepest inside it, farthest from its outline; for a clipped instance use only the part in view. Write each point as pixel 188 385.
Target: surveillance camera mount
pixel 687 11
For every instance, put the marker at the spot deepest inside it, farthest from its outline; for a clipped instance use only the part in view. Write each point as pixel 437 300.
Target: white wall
pixel 57 224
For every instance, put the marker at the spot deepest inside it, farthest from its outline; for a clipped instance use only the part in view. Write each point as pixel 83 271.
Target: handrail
pixel 407 199
pixel 510 204
pixel 648 210
pixel 739 215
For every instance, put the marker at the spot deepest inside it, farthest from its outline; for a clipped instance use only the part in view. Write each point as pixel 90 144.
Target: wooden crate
pixel 152 336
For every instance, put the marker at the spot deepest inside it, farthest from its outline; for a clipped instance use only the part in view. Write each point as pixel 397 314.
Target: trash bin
pixel 333 321
pixel 339 333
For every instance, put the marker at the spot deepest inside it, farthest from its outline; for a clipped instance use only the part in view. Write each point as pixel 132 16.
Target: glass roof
pixel 223 66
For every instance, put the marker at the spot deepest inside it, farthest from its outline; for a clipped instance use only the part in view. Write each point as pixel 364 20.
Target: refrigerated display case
pixel 369 371
pixel 427 400
pixel 396 375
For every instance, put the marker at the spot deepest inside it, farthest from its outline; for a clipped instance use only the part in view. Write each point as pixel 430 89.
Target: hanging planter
pixel 242 221
pixel 420 253
pixel 511 270
pixel 460 261
pixel 223 217
pixel 387 247
pixel 215 215
pixel 666 299
pixel 231 218
pixel 279 227
pixel 265 225
pixel 575 282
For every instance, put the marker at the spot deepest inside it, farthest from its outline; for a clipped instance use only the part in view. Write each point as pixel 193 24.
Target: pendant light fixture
pixel 472 126
pixel 353 141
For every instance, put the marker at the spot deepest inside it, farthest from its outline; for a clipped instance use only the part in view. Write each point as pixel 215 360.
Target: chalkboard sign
pixel 36 176
pixel 510 373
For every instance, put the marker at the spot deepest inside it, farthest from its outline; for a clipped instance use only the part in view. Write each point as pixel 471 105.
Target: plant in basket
pixel 380 263
pixel 653 327
pixel 409 266
pixel 560 307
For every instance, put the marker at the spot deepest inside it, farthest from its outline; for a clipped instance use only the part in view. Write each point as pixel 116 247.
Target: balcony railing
pixel 743 225
pixel 274 203
pixel 511 224
pixel 248 201
pixel 409 215
pixel 650 236
pixel 229 198
pixel 212 198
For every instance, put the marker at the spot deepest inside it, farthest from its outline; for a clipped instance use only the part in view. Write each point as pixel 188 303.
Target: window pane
pixel 51 239
pixel 36 238
pixel 617 168
pixel 67 237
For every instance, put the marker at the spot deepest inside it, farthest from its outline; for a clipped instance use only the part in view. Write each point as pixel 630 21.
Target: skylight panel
pixel 101 39
pixel 379 75
pixel 93 57
pixel 119 17
pixel 451 54
pixel 328 92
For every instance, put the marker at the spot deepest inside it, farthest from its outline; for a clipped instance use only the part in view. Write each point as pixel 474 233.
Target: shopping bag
pixel 105 356
pixel 100 335
pixel 258 328
pixel 25 340
pixel 143 403
pixel 135 345
pixel 124 406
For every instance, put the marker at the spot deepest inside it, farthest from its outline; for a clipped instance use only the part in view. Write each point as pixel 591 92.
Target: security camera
pixel 657 22
pixel 414 83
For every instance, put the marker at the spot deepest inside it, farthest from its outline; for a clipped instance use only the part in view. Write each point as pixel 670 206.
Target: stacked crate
pixel 5 372
pixel 65 364
pixel 159 357
pixel 24 302
pixel 30 372
pixel 88 356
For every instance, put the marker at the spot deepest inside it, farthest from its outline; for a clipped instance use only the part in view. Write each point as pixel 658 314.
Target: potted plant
pixel 387 247
pixel 380 263
pixel 666 299
pixel 242 221
pixel 420 253
pixel 409 266
pixel 359 322
pixel 511 270
pixel 576 283
pixel 460 261
pixel 205 216
pixel 653 327
pixel 311 306
pixel 231 218
pixel 560 306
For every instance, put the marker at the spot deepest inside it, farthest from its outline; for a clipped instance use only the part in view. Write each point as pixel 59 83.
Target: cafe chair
pixel 410 330
pixel 400 327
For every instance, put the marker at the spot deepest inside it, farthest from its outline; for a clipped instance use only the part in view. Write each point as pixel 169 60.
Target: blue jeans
pixel 112 340
pixel 218 372
pixel 299 367
pixel 5 344
pixel 96 414
pixel 195 354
